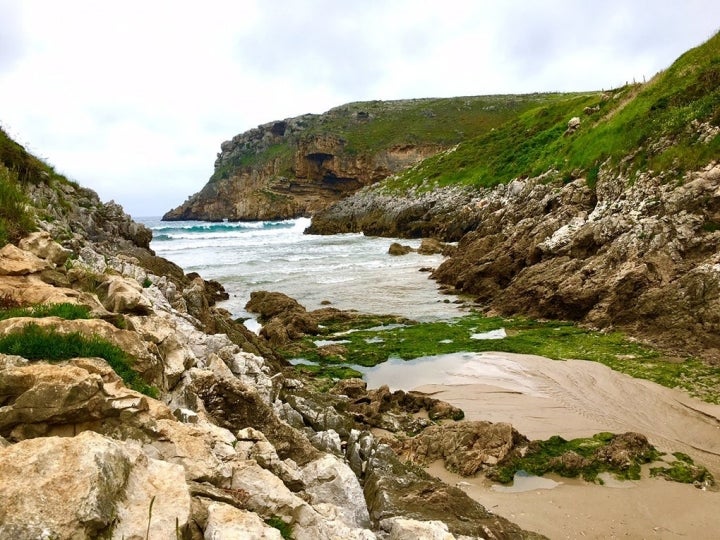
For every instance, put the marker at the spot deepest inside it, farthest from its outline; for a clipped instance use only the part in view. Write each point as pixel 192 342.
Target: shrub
pixel 15 220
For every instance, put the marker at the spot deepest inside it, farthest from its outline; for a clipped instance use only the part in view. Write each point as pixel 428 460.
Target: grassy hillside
pixel 640 126
pixel 372 126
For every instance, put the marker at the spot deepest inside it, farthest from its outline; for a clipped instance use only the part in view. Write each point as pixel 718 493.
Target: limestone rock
pixel 42 399
pixel 412 529
pixel 79 483
pixel 125 296
pixel 43 246
pixel 157 483
pixel 226 522
pixel 330 481
pixel 17 262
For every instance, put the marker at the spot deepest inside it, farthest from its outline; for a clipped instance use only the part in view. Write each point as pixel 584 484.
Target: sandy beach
pixel 543 397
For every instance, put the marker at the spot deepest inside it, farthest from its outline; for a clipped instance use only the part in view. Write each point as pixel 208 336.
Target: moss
pixel 369 344
pixel 36 343
pixel 329 372
pixel 577 457
pixel 684 470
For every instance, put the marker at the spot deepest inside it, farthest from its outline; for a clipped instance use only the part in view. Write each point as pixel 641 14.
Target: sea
pixel 346 271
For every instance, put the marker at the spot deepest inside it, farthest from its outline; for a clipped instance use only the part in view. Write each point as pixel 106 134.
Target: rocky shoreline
pixel 233 444
pixel 639 255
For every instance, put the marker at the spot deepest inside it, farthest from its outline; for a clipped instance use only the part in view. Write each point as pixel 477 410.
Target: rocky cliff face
pixel 312 172
pixel 298 166
pixel 640 254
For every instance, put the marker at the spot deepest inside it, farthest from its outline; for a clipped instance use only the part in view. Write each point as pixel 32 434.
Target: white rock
pixel 329 480
pixel 411 529
pixel 226 522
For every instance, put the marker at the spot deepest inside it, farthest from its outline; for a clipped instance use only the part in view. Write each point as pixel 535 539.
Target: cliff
pixel 298 166
pixel 601 209
pixel 132 407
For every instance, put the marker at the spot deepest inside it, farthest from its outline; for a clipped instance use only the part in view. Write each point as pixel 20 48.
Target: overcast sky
pixel 133 98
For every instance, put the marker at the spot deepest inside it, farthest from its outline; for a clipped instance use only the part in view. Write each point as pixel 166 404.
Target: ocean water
pixel 351 271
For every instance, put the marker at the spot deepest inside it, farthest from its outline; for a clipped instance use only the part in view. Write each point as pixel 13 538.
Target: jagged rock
pixel 432 246
pixel 393 489
pixel 352 388
pixel 253 444
pixel 17 262
pixel 226 522
pixel 327 441
pixel 77 498
pixel 465 447
pixel 235 406
pixel 267 495
pixel 330 481
pixel 626 449
pixel 45 399
pixel 572 125
pixel 125 296
pixel 412 529
pixel 399 249
pixel 319 416
pixel 43 246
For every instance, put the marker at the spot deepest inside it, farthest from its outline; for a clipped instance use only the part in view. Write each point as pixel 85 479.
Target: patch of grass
pixel 684 470
pixel 146 283
pixel 36 343
pixel 15 219
pixel 553 339
pixel 64 311
pixel 652 126
pixel 578 457
pixel 277 523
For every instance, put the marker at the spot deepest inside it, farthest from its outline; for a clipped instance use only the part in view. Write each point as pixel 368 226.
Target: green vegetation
pixel 578 457
pixel 15 220
pixel 64 311
pixel 636 127
pixel 684 470
pixel 373 126
pixel 277 523
pixel 36 343
pixel 367 346
pixel 329 372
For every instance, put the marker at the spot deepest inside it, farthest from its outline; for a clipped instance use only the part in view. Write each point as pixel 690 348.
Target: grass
pixel 625 132
pixel 366 128
pixel 36 343
pixel 544 457
pixel 64 311
pixel 15 219
pixel 553 339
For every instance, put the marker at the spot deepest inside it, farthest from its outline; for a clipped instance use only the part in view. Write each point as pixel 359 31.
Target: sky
pixel 134 98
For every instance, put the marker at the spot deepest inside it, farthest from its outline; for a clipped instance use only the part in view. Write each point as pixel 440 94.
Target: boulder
pixel 43 246
pixel 227 522
pixel 330 481
pixel 17 262
pixel 88 486
pixel 44 399
pixel 412 529
pixel 125 296
pixel 395 489
pixel 465 447
pixel 399 249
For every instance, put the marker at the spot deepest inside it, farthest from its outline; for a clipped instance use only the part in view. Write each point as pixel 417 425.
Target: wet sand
pixel 543 397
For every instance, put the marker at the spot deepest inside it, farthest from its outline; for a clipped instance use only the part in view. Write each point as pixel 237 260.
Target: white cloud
pixel 134 98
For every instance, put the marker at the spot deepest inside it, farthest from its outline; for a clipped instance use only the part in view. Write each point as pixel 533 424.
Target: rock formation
pixel 298 166
pixel 218 440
